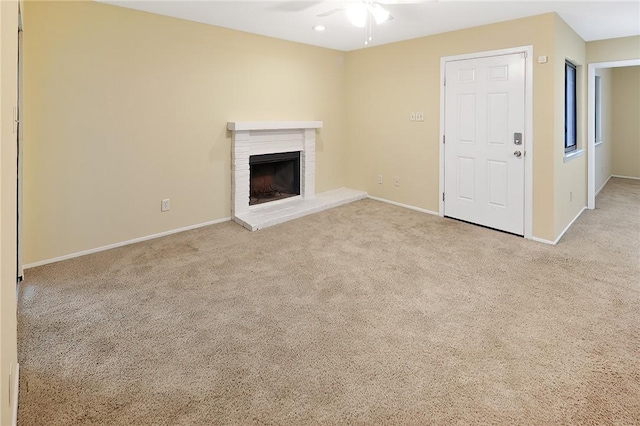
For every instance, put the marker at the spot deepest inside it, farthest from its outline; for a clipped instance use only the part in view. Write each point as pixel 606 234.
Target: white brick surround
pixel 270 137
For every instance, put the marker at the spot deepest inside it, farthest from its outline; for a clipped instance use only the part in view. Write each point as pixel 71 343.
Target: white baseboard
pixel 406 206
pixel 123 243
pixel 626 177
pixel 603 185
pixel 541 240
pixel 14 394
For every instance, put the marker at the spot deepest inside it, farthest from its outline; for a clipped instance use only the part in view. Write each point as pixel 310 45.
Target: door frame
pixel 591 131
pixel 528 126
pixel 20 149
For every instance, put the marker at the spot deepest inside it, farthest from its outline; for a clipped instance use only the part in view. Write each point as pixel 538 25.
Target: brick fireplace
pixel 270 137
pixel 264 138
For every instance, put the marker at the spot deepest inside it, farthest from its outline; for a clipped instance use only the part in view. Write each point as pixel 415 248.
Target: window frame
pixel 570 119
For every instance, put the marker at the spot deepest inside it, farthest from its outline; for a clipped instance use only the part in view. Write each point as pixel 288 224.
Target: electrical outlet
pixel 396 181
pixel 419 116
pixel 412 116
pixel 380 179
pixel 165 206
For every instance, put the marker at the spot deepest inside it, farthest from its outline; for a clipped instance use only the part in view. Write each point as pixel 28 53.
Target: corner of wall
pixel 544 108
pixel 570 177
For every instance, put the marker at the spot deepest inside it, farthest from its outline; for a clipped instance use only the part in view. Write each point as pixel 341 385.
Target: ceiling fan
pixel 362 14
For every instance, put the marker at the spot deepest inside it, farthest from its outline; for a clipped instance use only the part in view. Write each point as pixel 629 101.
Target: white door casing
pixel 484 176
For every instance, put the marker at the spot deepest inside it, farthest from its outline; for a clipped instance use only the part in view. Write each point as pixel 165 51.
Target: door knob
pixel 517 154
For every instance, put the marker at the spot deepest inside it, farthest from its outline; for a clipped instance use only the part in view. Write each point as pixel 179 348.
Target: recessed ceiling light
pixel 319 28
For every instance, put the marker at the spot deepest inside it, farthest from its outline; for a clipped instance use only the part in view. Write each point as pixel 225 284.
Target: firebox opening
pixel 274 177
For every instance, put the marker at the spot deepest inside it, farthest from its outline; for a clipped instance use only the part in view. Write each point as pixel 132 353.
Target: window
pixel 570 104
pixel 598 117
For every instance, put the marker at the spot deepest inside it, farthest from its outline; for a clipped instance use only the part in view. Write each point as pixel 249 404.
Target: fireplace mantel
pixel 273 125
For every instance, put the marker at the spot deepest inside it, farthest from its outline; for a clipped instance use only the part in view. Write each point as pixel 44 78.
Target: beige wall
pixel 8 97
pixel 616 49
pixel 386 83
pixel 603 150
pixel 126 108
pixel 626 121
pixel 570 178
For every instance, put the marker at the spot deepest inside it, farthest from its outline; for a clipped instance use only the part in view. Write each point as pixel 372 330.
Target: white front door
pixel 484 141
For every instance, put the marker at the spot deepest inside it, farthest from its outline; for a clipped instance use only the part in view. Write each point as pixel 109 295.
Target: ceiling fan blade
pixel 331 12
pixel 379 13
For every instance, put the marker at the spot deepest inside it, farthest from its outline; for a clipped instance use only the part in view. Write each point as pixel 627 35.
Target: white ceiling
pixel 293 20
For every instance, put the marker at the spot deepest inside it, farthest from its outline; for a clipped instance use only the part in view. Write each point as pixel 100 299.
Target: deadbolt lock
pixel 517 138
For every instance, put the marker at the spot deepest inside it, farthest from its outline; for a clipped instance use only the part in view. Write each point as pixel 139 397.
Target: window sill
pixel 573 154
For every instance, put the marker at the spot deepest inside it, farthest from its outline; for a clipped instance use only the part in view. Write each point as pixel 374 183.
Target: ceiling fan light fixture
pixel 379 13
pixel 357 14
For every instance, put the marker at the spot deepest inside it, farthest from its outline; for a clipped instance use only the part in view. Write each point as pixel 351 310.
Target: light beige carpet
pixel 367 313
